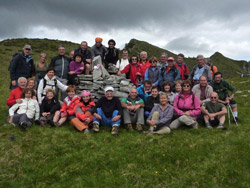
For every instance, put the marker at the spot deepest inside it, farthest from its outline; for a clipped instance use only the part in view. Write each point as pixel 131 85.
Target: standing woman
pixel 186 107
pixel 41 68
pixel 26 111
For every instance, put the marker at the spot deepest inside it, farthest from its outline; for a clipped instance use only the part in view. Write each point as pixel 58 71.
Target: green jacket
pixel 222 89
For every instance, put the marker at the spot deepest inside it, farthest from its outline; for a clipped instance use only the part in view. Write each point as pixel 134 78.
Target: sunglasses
pixel 186 86
pixel 134 59
pixel 27 49
pixel 213 97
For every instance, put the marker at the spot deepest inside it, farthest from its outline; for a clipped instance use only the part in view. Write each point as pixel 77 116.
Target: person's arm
pixel 52 62
pixel 197 107
pixel 61 86
pixel 231 88
pixel 13 109
pixel 191 75
pixel 151 113
pixel 37 110
pixel 40 91
pixel 176 108
pixel 146 75
pixel 178 76
pixel 11 100
pixel 125 70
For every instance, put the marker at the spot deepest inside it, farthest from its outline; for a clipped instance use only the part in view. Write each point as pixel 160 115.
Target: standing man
pixel 182 67
pixel 107 111
pixel 98 51
pixel 201 69
pixel 144 63
pixel 22 65
pixel 122 63
pixel 202 90
pixel 163 60
pixel 214 112
pixel 170 73
pixel 86 56
pixel 60 64
pixel 112 55
pixel 133 110
pixel 221 87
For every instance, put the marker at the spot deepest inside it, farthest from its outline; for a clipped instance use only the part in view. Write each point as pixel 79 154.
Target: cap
pixel 85 93
pixel 27 47
pixel 170 59
pixel 98 39
pixel 109 88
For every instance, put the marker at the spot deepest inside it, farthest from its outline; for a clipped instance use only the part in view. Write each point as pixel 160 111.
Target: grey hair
pixel 143 52
pixel 163 93
pixel 164 53
pixel 21 78
pixel 201 56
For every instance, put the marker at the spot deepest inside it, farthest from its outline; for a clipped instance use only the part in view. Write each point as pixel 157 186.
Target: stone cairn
pixel 101 78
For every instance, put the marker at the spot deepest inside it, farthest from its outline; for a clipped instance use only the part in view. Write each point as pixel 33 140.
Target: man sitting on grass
pixel 107 111
pixel 214 112
pixel 133 110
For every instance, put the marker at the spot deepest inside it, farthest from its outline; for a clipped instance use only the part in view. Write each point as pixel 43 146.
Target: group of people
pixel 164 96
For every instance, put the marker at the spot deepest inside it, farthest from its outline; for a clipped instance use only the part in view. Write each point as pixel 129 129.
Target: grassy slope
pixel 63 157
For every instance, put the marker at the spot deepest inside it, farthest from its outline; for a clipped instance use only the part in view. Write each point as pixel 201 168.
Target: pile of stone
pixel 96 86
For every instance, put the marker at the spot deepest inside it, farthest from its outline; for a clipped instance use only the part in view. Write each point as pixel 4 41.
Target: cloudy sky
pixel 191 27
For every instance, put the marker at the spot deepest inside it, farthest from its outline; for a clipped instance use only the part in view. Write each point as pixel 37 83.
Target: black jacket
pixel 86 54
pixel 149 104
pixel 51 106
pixel 20 68
pixel 108 106
pixel 61 69
pixel 112 55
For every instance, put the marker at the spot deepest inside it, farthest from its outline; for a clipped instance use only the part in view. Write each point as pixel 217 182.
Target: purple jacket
pixel 190 104
pixel 165 116
pixel 74 66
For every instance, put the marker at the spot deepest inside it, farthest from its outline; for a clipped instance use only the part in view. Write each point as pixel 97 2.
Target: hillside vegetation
pixel 62 157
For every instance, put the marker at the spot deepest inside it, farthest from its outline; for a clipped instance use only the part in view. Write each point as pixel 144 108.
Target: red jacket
pixel 84 108
pixel 144 67
pixel 69 105
pixel 134 69
pixel 14 95
pixel 183 70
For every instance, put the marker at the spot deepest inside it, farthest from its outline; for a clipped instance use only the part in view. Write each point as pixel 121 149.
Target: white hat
pixel 108 88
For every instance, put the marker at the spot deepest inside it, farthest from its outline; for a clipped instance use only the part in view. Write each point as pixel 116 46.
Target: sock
pixel 235 114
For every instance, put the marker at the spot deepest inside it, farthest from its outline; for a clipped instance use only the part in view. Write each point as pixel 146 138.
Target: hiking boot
pixel 149 132
pixel 237 120
pixel 86 131
pixel 23 126
pixel 222 127
pixel 129 127
pixel 115 130
pixel 42 123
pixel 209 126
pixel 195 125
pixel 139 127
pixel 95 127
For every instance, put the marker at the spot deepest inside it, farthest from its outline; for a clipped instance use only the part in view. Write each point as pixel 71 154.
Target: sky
pixel 190 27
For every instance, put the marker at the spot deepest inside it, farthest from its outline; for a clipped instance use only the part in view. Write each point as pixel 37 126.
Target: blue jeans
pixel 107 121
pixel 146 114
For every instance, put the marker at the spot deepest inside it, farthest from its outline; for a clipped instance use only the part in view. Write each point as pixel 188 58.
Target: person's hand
pixel 138 73
pixel 63 114
pixel 34 97
pixel 187 113
pixel 211 116
pixel 13 82
pixel 11 119
pixel 71 72
pixel 19 101
pixel 88 60
pixel 81 68
pixel 44 114
pixel 152 122
pixel 116 118
pixel 136 107
pixel 227 101
pixel 153 85
pixel 119 73
pixel 201 101
pixel 87 120
pixel 97 116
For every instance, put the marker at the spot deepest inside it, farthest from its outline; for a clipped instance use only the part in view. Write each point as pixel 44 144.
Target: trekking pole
pixel 228 113
pixel 233 115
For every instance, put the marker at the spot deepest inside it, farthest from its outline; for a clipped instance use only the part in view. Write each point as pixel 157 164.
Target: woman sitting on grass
pixel 26 110
pixel 83 112
pixel 48 108
pixel 167 88
pixel 67 110
pixel 160 117
pixel 186 107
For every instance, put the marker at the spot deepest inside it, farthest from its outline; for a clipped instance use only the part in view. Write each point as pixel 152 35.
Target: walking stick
pixel 228 113
pixel 233 114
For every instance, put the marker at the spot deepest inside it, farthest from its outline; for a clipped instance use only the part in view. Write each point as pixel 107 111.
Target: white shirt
pixel 121 65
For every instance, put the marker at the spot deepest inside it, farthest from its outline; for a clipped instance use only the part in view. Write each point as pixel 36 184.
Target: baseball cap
pixel 27 47
pixel 170 59
pixel 108 88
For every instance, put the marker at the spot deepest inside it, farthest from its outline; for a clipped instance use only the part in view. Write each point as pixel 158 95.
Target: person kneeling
pixel 133 111
pixel 160 117
pixel 27 109
pixel 107 111
pixel 214 112
pixel 67 110
pixel 83 112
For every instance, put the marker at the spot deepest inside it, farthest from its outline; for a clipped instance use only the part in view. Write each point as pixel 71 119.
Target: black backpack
pixel 45 83
pixel 12 59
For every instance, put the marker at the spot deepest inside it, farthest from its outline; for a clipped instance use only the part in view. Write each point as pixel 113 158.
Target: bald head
pixel 133 93
pixel 213 97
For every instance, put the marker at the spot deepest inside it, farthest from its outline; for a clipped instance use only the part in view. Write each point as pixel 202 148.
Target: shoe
pixel 139 127
pixel 57 124
pixel 149 132
pixel 95 127
pixel 237 120
pixel 221 127
pixel 42 123
pixel 86 131
pixel 129 127
pixel 115 130
pixel 195 125
pixel 23 126
pixel 51 123
pixel 209 126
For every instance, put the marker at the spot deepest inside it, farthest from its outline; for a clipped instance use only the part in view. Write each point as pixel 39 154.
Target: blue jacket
pixel 141 93
pixel 172 75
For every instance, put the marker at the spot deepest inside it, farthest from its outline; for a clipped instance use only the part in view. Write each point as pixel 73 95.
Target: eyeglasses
pixel 134 59
pixel 27 49
pixel 213 97
pixel 186 86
